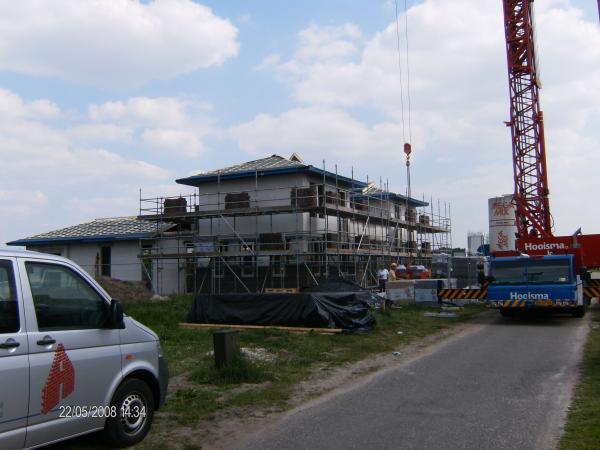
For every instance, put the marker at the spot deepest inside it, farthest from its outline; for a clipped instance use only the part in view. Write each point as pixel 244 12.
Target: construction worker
pixel 392 274
pixel 382 275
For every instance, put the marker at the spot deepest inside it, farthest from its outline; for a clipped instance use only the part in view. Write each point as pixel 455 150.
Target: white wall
pixel 168 275
pixel 125 264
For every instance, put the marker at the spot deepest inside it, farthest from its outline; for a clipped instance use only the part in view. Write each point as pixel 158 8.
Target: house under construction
pixel 281 223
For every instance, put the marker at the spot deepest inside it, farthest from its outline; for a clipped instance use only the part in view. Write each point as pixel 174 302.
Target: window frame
pixel 14 292
pixel 248 261
pixel 77 273
pixel 106 261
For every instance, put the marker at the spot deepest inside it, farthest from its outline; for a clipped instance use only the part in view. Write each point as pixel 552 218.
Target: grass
pixel 240 371
pixel 199 391
pixel 296 356
pixel 582 430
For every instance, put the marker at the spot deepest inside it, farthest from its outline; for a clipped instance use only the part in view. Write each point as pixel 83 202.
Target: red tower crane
pixel 526 123
pixel 533 219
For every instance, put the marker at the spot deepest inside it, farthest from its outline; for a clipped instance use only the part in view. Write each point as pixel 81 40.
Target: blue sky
pixel 96 104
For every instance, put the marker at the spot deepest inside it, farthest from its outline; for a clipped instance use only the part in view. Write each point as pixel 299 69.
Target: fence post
pixel 226 344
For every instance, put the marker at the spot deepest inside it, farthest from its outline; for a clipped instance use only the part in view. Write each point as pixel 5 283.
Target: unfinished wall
pixel 272 190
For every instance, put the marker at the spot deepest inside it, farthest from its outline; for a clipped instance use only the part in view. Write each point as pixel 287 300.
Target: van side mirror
pixel 115 315
pixel 587 276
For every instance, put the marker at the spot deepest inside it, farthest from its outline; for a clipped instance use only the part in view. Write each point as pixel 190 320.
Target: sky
pixel 102 99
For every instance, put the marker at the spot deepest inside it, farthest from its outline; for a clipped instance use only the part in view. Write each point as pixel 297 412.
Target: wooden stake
pixel 195 326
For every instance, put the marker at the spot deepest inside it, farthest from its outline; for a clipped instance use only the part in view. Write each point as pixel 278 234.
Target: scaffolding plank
pixel 330 210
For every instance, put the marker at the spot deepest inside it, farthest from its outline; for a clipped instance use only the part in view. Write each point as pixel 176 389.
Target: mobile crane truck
pixel 530 268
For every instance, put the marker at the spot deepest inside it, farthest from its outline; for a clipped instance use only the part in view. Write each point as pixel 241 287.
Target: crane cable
pixel 407 145
pixel 400 73
pixel 401 78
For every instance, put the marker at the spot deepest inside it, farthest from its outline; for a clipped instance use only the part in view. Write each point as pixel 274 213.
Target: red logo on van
pixel 61 380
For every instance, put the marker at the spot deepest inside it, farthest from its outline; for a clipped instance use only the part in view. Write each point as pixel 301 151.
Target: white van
pixel 70 362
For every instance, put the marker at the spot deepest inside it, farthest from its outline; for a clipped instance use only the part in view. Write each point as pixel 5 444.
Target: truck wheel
pixel 134 405
pixel 507 312
pixel 579 311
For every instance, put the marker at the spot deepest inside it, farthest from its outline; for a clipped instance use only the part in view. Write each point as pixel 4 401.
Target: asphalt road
pixel 504 385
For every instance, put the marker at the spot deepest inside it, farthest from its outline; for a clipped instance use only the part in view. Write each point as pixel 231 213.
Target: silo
pixel 503 223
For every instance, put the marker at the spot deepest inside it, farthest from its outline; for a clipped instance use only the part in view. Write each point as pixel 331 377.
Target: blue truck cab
pixel 528 283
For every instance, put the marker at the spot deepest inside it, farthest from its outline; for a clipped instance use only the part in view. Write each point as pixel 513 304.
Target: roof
pixel 98 230
pixel 374 192
pixel 272 165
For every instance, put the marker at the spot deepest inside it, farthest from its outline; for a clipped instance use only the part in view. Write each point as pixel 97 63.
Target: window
pixel 219 268
pixel 531 271
pixel 506 272
pixel 9 311
pixel 63 300
pixel 248 260
pixel 278 266
pixel 105 261
pixel 548 271
pixel 147 268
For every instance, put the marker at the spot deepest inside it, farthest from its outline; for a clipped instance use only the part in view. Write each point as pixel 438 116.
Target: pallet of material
pixel 196 326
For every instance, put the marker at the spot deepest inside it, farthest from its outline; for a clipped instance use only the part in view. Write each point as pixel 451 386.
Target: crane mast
pixel 526 123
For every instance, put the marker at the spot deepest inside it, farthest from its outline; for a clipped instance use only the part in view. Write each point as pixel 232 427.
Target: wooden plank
pixel 194 326
pixel 282 290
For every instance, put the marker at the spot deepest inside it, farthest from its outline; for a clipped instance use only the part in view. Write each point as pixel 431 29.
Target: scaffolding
pixel 221 240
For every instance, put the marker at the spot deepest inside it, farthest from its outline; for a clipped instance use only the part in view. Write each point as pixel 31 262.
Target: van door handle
pixel 46 341
pixel 7 344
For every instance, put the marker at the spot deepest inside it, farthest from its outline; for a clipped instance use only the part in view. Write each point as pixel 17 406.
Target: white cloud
pixel 11 105
pixel 167 111
pixel 348 96
pixel 332 132
pixel 113 43
pixel 100 132
pixel 45 166
pixel 327 43
pixel 179 141
pixel 163 123
pixel 17 202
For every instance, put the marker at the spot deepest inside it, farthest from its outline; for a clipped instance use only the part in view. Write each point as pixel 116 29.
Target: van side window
pixel 9 311
pixel 63 300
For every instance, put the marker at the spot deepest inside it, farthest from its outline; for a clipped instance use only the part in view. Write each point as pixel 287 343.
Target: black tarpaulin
pixel 339 284
pixel 335 284
pixel 347 310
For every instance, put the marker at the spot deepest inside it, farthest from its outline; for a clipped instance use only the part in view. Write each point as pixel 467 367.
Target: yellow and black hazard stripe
pixel 593 283
pixel 538 303
pixel 469 294
pixel 591 291
pixel 507 303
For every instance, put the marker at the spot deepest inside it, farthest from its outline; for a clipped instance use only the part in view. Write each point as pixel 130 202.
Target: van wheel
pixel 134 405
pixel 579 311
